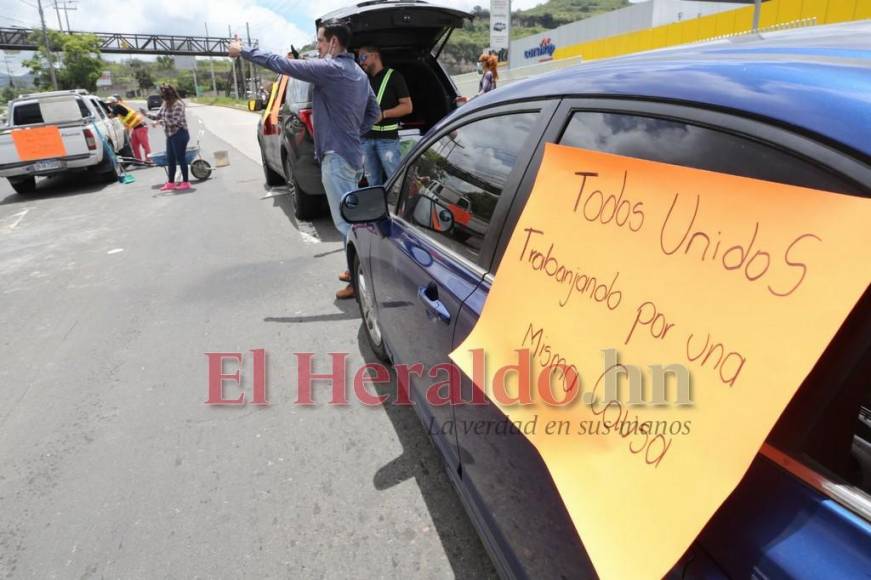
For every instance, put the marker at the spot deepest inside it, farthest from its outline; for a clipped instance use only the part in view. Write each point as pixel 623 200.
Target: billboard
pixel 105 79
pixel 500 24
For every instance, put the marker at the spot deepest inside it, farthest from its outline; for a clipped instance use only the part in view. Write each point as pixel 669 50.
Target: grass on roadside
pixel 241 104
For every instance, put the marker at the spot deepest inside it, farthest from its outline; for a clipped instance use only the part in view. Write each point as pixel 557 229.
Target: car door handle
pixel 429 295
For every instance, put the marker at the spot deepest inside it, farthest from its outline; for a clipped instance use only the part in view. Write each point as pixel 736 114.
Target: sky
pixel 276 23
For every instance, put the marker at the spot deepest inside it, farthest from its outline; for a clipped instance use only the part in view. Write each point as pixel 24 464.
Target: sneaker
pixel 168 186
pixel 184 185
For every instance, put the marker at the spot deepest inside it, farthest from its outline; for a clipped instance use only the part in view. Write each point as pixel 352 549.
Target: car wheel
pixel 305 206
pixel 127 149
pixel 366 301
pixel 272 178
pixel 107 170
pixel 24 185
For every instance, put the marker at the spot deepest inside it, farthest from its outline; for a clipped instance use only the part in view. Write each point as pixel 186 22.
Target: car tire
pixel 127 149
pixel 272 178
pixel 305 206
pixel 24 185
pixel 369 311
pixel 106 171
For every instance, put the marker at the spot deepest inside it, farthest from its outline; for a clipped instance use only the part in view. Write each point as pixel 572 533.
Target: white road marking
pixel 115 251
pixel 273 193
pixel 308 238
pixel 20 215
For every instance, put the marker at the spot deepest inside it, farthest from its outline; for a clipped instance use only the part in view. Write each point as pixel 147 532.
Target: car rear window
pixel 27 114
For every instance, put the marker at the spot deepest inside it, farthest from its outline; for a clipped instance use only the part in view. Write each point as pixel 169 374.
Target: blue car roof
pixel 817 79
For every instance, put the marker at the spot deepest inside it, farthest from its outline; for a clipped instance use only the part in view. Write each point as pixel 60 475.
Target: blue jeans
pixel 338 178
pixel 382 157
pixel 176 147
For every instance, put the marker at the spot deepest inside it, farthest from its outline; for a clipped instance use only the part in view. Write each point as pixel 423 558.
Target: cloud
pixel 276 23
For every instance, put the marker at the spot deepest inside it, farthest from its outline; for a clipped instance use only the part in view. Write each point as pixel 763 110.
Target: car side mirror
pixel 364 205
pixel 430 214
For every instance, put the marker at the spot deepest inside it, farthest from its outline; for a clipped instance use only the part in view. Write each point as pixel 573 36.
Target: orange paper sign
pixel 38 143
pixel 741 283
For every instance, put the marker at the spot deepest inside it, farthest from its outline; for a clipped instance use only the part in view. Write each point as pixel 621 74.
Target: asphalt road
pixel 112 466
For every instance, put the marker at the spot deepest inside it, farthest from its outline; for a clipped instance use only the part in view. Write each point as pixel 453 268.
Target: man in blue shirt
pixel 344 109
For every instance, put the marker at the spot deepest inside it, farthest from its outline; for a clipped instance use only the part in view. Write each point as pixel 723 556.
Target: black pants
pixel 176 146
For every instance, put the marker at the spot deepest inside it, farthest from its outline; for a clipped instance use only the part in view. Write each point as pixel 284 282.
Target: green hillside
pixel 465 45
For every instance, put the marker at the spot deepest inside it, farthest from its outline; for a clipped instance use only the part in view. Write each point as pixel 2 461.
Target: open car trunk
pixel 409 34
pixel 402 25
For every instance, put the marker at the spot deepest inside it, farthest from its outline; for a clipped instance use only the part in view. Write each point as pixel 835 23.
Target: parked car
pixel 762 109
pixel 83 121
pixel 153 102
pixel 410 35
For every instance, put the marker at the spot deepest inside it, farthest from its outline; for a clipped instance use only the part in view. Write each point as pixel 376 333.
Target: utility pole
pixel 211 62
pixel 47 46
pixel 251 64
pixel 233 63
pixel 8 72
pixel 57 10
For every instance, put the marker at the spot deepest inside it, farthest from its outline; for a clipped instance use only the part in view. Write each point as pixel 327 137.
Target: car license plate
pixel 47 165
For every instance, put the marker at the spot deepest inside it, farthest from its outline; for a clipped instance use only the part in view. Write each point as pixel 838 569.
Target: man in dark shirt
pixel 381 144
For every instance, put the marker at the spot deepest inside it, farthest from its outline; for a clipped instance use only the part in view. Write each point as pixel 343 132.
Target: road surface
pixel 112 466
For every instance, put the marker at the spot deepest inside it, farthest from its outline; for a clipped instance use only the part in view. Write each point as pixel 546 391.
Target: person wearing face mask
pixel 381 144
pixel 344 109
pixel 489 66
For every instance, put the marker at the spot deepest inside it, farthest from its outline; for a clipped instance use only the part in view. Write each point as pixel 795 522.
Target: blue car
pixel 793 107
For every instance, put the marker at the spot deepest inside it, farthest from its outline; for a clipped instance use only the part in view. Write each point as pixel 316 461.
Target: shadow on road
pixel 421 461
pixel 323 225
pixel 61 185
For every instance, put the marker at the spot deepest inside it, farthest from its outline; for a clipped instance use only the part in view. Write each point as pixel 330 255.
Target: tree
pixel 7 94
pixel 142 74
pixel 165 63
pixel 77 67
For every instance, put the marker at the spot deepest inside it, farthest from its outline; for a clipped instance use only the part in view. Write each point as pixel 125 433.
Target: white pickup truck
pixel 56 132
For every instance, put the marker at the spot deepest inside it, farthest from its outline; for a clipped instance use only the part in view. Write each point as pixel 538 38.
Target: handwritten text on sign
pixel 38 143
pixel 743 282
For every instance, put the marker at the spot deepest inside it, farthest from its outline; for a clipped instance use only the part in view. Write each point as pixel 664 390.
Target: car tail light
pixel 305 115
pixel 89 139
pixel 270 128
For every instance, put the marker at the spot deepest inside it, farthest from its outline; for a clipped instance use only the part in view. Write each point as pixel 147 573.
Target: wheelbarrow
pixel 199 167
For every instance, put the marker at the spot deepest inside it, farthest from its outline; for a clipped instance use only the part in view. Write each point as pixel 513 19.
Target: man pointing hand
pixel 344 109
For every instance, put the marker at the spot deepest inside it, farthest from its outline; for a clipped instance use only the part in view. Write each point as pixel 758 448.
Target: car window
pixel 98 108
pixel 451 190
pixel 83 108
pixel 680 143
pixel 300 92
pixel 839 438
pixel 26 114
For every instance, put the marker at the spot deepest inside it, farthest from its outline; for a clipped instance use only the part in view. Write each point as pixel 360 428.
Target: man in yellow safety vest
pixel 381 144
pixel 135 124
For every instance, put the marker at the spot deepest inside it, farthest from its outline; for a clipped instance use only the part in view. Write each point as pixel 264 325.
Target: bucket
pixel 221 159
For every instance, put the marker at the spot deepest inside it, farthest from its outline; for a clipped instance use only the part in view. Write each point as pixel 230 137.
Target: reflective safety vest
pixel 132 119
pixel 378 97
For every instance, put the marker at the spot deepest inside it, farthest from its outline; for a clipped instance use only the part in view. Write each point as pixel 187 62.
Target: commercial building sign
pixel 544 51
